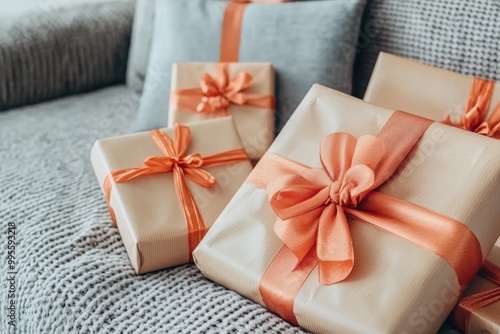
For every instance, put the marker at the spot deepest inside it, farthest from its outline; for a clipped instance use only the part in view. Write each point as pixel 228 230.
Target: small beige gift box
pixel 485 319
pixel 147 209
pixel 201 91
pixel 431 92
pixel 396 285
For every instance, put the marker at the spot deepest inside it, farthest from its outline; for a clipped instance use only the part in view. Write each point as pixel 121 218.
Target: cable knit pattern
pixel 75 49
pixel 457 35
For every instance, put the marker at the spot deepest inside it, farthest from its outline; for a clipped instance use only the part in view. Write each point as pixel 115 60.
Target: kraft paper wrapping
pixel 486 320
pixel 427 91
pixel 396 286
pixel 255 125
pixel 148 213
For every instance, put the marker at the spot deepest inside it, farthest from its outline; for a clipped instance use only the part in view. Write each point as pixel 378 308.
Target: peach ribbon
pixel 181 165
pixel 216 94
pixel 231 28
pixel 476 109
pixel 312 204
pixel 472 303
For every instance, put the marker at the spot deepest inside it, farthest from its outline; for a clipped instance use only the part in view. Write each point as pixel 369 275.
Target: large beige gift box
pixel 250 102
pixel 424 90
pixel 396 286
pixel 148 214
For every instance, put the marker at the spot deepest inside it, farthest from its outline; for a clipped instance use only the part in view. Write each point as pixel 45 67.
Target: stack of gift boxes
pixel 357 217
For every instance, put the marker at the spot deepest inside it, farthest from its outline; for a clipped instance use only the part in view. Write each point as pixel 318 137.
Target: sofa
pixel 63 85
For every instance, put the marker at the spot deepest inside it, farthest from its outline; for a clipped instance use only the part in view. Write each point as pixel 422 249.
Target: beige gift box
pixel 255 125
pixel 400 83
pixel 424 90
pixel 486 319
pixel 148 214
pixel 395 286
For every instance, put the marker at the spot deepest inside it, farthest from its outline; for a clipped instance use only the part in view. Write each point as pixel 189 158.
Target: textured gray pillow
pixel 307 42
pixel 140 44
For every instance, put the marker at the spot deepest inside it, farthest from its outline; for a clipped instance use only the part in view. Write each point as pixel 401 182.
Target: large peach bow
pixel 181 165
pixel 311 205
pixel 476 109
pixel 216 94
pixel 471 303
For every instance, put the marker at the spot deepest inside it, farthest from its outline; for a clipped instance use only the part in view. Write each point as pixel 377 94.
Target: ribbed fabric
pixel 457 35
pixel 45 55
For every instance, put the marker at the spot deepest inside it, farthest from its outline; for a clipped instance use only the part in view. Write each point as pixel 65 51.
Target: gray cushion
pixel 140 45
pixel 67 50
pixel 457 35
pixel 307 42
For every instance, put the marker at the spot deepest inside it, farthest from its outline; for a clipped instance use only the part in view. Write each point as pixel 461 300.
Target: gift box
pixel 165 188
pixel 245 91
pixel 443 96
pixel 339 231
pixel 479 307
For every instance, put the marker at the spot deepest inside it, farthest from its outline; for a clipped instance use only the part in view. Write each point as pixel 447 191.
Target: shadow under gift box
pixel 148 213
pixel 396 286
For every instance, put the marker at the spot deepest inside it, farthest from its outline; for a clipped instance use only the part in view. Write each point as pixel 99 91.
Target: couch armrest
pixel 50 54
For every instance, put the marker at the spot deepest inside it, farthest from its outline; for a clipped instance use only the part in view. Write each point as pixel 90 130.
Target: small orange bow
pixel 181 165
pixel 476 109
pixel 311 205
pixel 216 94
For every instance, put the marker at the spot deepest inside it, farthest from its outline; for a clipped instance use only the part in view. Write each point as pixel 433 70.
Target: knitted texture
pixel 457 35
pixel 53 53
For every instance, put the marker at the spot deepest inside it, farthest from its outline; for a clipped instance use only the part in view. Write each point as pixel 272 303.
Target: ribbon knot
pixel 311 206
pixel 220 91
pixel 217 93
pixel 182 166
pixel 476 109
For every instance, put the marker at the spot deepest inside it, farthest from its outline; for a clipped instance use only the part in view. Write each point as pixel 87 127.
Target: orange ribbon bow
pixel 476 109
pixel 311 205
pixel 216 94
pixel 471 303
pixel 181 165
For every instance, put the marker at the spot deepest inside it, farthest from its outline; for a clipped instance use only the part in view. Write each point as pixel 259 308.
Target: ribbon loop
pixel 217 93
pixel 474 115
pixel 182 166
pixel 318 196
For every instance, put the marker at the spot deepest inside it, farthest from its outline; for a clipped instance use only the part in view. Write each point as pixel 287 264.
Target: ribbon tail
pixel 336 259
pixel 186 99
pixel 194 220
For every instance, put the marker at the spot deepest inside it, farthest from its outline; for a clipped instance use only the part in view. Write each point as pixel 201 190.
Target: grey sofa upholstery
pixel 72 271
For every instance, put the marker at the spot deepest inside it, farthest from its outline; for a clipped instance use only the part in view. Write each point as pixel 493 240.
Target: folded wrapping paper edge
pixel 255 141
pixel 382 81
pixel 99 164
